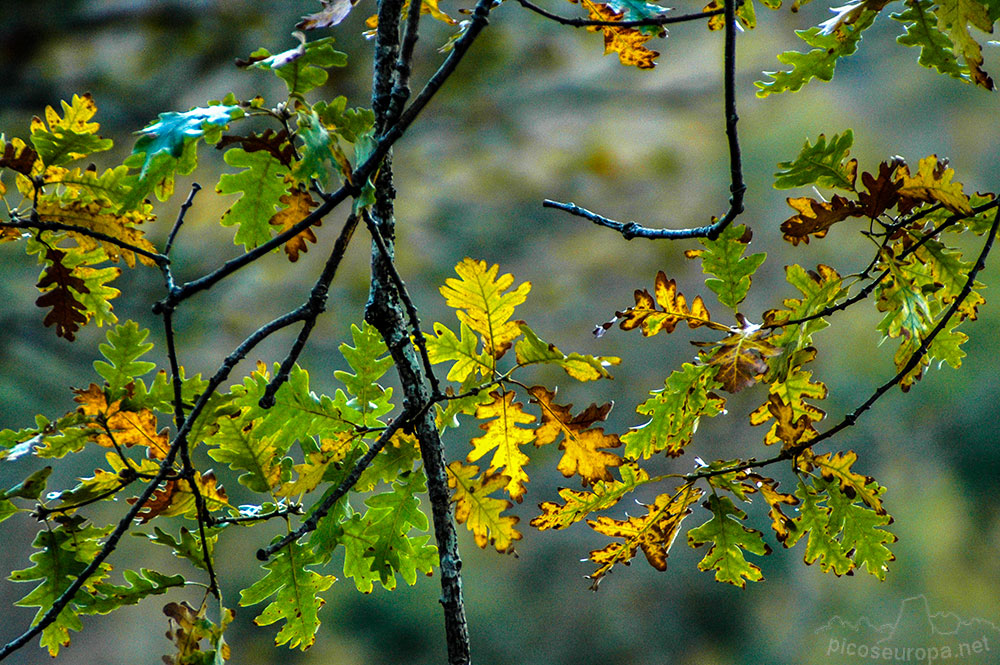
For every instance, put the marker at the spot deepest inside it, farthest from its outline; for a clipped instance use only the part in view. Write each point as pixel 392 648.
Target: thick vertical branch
pixel 385 312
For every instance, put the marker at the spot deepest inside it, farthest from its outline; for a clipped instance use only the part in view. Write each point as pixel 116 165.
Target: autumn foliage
pixel 360 473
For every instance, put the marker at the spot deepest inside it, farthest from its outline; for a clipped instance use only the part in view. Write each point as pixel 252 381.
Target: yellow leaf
pixel 654 532
pixel 673 309
pixel 483 306
pixel 504 435
pixel 932 184
pixel 92 217
pixel 75 115
pixel 583 444
pixel 838 466
pixel 628 43
pixel 479 512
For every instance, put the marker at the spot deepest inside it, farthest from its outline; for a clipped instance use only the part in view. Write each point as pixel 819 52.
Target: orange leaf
pixel 299 203
pixel 628 43
pixel 673 310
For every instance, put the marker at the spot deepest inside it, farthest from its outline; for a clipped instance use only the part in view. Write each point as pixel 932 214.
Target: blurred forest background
pixel 536 111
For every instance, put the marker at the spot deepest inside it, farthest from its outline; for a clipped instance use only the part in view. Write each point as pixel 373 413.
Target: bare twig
pixel 311 309
pixel 638 23
pixel 737 187
pixel 195 188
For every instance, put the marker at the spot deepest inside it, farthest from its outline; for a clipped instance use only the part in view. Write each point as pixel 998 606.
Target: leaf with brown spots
pixel 816 217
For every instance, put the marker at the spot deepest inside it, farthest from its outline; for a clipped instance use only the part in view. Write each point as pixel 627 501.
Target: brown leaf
pixel 883 192
pixel 67 313
pixel 673 309
pixel 628 43
pixel 816 217
pixel 18 158
pixel 741 359
pixel 299 203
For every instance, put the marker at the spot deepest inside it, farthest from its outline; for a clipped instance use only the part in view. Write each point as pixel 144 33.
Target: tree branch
pixel 737 187
pixel 638 23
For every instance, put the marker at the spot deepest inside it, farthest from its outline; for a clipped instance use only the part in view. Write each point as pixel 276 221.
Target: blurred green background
pixel 536 111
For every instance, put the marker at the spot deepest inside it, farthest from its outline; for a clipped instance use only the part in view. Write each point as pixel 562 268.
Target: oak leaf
pixel 505 438
pixel 480 512
pixel 654 532
pixel 299 203
pixel 673 309
pixel 729 540
pixel 578 505
pixel 931 184
pixel 482 304
pixel 583 444
pixel 824 163
pixel 815 218
pixel 740 358
pixel 61 290
pixel 627 42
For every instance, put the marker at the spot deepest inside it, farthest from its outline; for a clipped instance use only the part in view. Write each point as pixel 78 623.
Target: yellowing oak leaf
pixel 627 42
pixel 482 304
pixel 815 218
pixel 837 466
pixel 673 309
pixel 299 203
pixel 175 497
pixel 583 444
pixel 504 437
pixel 579 505
pixel 780 523
pixel 741 358
pixel 789 408
pixel 94 217
pixel 478 511
pixel 654 532
pixel 931 184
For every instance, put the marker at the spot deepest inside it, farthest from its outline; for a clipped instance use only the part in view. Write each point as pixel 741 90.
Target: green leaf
pixel 302 68
pixel 531 350
pixel 107 597
pixel 955 16
pixel 936 48
pixel 70 137
pixel 174 131
pixel 188 546
pixel 63 554
pixel 260 184
pixel 349 124
pixel 675 412
pixel 824 164
pixel 126 343
pixel 244 449
pixel 31 487
pixel 296 592
pixel 723 257
pixel 843 533
pixel 729 539
pixel 820 61
pixel 820 288
pixel 447 346
pixel 370 361
pixel 317 149
pixel 388 522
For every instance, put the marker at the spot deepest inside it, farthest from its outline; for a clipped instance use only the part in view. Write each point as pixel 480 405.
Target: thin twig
pixel 159 259
pixel 294 509
pixel 737 188
pixel 310 310
pixel 195 188
pixel 637 23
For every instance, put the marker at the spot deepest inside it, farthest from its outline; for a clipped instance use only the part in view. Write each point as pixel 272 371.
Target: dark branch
pixel 159 259
pixel 311 309
pixel 195 188
pixel 737 188
pixel 638 23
